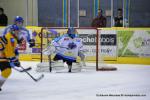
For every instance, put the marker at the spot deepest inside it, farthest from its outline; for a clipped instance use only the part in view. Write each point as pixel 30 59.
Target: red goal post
pixel 90 38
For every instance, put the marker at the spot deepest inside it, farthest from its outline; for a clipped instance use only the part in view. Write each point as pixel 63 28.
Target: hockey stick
pixel 50 63
pixel 22 70
pixel 35 79
pixel 27 69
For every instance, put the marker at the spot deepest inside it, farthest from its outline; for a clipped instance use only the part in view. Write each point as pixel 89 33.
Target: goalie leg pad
pixel 81 55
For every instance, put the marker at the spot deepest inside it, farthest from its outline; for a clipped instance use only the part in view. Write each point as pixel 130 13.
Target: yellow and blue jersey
pixel 8 44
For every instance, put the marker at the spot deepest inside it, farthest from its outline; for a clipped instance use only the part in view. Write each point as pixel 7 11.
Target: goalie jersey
pixel 67 47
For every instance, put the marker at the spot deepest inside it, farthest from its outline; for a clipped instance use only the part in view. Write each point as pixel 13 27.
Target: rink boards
pixel 119 45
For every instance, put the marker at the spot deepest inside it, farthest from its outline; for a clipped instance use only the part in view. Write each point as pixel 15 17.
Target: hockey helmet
pixel 18 19
pixel 71 32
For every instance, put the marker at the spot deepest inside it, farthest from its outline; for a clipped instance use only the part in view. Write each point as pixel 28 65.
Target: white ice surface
pixel 91 85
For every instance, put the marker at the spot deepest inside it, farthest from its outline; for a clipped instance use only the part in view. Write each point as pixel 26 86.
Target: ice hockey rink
pixel 129 82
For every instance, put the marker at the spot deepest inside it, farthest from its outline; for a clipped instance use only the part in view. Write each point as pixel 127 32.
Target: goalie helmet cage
pixel 45 38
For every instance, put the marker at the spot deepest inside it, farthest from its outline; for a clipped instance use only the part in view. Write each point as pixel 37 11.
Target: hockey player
pixel 8 51
pixel 67 47
pixel 80 53
pixel 24 33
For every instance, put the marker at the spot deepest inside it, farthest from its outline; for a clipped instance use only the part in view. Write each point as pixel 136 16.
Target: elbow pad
pixel 3 41
pixel 1 46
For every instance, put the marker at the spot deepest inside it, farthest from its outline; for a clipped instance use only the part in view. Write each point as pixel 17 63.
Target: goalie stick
pixel 35 79
pixel 49 57
pixel 50 63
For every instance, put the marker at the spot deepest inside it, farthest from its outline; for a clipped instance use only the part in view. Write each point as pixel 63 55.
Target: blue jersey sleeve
pixel 58 38
pixel 7 29
pixel 28 34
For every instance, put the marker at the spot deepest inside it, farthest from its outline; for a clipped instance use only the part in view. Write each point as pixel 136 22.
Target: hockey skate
pixel 83 63
pixel 69 67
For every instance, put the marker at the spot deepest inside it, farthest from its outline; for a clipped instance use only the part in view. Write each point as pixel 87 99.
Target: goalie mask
pixel 71 32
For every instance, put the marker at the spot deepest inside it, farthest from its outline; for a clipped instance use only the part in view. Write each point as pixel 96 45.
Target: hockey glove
pixel 72 45
pixel 32 43
pixel 16 52
pixel 14 62
pixel 20 41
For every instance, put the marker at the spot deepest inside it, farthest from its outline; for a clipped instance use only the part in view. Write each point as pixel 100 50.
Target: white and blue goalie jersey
pixel 68 47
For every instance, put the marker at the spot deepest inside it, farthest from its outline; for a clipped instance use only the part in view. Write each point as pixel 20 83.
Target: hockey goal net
pixel 91 39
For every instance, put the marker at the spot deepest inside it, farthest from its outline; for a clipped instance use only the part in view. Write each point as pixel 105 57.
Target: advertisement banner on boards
pixel 135 43
pixel 88 37
pixel 108 43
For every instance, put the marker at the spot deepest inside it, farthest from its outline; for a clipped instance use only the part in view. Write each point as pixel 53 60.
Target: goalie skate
pixel 76 67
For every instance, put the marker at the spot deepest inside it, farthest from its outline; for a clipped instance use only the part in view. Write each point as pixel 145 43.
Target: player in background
pixel 8 53
pixel 24 33
pixel 67 47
